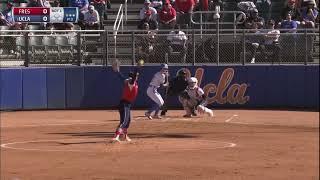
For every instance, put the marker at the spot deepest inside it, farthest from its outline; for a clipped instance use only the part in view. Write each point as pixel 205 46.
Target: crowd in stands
pixel 164 14
pixel 91 13
pixel 168 14
pixel 174 15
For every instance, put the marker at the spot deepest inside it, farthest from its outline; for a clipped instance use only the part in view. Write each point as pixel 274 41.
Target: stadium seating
pixel 37 49
pixel 64 49
pixel 51 49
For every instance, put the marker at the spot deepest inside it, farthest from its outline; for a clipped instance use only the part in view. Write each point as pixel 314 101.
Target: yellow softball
pixel 141 62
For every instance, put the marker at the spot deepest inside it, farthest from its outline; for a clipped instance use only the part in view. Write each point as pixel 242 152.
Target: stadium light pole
pixel 216 16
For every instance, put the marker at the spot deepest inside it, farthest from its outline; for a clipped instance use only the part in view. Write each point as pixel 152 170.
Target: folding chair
pixel 50 47
pixel 64 48
pixel 37 49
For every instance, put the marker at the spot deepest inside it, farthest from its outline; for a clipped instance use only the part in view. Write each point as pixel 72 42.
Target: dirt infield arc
pixel 235 144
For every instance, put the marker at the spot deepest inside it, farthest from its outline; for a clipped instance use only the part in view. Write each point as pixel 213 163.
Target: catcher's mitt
pixel 116 65
pixel 185 95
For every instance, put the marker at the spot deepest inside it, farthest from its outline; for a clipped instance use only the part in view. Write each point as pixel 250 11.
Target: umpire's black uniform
pixel 176 87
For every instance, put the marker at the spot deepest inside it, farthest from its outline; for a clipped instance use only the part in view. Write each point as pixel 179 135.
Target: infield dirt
pixel 234 145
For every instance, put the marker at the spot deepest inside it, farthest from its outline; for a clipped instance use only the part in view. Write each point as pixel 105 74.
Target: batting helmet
pixel 164 66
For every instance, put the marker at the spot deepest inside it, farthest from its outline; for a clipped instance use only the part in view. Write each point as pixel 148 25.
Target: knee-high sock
pixel 119 131
pixel 208 111
pixel 155 107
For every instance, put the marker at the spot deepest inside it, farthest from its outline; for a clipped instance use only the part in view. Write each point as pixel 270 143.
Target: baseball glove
pixel 185 95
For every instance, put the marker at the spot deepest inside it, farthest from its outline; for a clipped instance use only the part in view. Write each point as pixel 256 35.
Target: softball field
pixel 233 145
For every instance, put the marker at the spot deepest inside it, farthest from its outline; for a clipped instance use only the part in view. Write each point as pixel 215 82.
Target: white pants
pixel 154 95
pixel 190 104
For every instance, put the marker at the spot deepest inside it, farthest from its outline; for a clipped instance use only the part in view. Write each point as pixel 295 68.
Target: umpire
pixel 176 87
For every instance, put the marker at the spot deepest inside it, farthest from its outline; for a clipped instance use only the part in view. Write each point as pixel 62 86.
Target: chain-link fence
pixel 229 47
pixel 191 47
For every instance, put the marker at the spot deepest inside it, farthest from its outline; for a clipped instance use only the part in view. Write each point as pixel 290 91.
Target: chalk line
pixel 10 146
pixel 57 124
pixel 231 118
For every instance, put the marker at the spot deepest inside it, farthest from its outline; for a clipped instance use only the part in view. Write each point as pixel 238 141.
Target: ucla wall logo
pixel 235 93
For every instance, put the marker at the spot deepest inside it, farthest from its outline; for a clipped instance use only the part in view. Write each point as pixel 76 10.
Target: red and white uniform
pixel 130 91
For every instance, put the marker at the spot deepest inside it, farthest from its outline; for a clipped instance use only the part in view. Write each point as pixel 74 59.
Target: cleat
pixel 187 116
pixel 193 113
pixel 148 115
pixel 127 138
pixel 210 113
pixel 163 113
pixel 116 139
pixel 157 117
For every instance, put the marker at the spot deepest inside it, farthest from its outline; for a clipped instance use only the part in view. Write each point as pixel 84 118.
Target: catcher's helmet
pixel 192 82
pixel 181 72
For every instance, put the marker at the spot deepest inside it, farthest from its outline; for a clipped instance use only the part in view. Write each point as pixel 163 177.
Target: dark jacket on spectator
pixel 295 14
pixel 153 25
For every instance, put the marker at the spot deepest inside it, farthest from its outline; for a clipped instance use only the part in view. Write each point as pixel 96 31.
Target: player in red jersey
pixel 129 94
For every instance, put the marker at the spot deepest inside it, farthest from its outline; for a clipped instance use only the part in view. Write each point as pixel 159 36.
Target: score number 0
pixel 44 18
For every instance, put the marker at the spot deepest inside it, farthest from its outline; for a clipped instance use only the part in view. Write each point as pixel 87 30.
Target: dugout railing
pixel 97 47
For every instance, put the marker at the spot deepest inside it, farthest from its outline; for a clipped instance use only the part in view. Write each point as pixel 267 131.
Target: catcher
pixel 176 86
pixel 193 98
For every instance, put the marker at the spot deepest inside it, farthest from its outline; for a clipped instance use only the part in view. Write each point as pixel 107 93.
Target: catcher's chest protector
pixel 193 93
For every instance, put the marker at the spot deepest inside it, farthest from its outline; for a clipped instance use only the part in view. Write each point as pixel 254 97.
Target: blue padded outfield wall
pixel 99 87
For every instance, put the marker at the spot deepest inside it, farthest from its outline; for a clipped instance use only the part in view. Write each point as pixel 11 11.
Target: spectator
pixel 157 4
pixel 148 8
pixel 317 21
pixel 100 6
pixel 253 41
pixel 263 40
pixel 290 9
pixel 60 3
pixel 91 19
pixel 178 42
pixel 61 26
pixel 82 5
pixel 184 10
pixel 251 17
pixel 271 41
pixel 304 3
pixel 146 44
pixel 289 24
pixel 214 3
pixel 167 16
pixel 5 16
pixel 34 3
pixel 44 3
pixel 264 7
pixel 38 3
pixel 212 7
pixel 149 20
pixel 309 15
pixel 56 3
pixel 203 5
pixel 253 20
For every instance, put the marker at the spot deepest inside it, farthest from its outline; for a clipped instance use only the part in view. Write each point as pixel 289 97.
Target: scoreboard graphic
pixel 48 15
